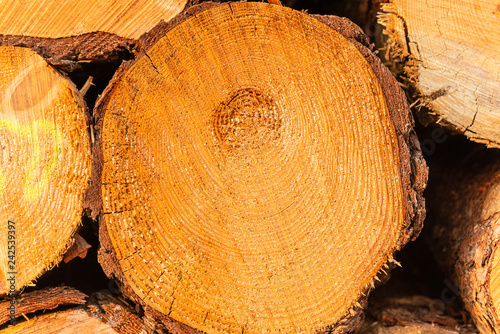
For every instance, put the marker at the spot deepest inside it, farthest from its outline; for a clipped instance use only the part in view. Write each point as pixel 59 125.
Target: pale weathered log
pixel 449 56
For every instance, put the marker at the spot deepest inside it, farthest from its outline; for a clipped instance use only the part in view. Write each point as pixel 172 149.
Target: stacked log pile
pixel 248 167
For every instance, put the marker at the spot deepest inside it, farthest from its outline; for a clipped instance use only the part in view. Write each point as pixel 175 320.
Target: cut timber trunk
pixel 450 51
pixel 63 18
pixel 44 166
pixel 71 321
pixel 31 302
pixel 100 313
pixel 257 169
pixel 70 31
pixel 465 208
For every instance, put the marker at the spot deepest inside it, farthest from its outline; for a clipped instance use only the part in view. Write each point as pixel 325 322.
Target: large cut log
pixel 67 31
pixel 255 168
pixel 465 211
pixel 449 52
pixel 44 166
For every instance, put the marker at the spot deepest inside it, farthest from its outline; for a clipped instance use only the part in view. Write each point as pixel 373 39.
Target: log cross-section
pixel 255 169
pixel 44 166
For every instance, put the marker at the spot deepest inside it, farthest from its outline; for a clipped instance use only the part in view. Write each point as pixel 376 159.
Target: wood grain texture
pixel 44 166
pixel 68 53
pixel 117 314
pixel 64 18
pixel 450 51
pixel 258 169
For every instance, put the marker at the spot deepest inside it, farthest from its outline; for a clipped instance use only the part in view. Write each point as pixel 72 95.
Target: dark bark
pixel 464 233
pixel 46 299
pixel 69 53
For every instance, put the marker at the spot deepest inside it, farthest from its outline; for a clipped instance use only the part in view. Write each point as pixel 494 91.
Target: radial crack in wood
pixel 258 169
pixel 44 166
pixel 450 52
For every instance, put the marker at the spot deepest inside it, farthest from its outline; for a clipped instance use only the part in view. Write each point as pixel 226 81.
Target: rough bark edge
pixel 413 169
pixel 412 165
pixel 118 315
pixel 465 247
pixel 400 54
pixel 67 53
pixel 46 299
pixel 475 258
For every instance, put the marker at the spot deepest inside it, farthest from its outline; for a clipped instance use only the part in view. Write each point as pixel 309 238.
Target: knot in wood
pixel 247 120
